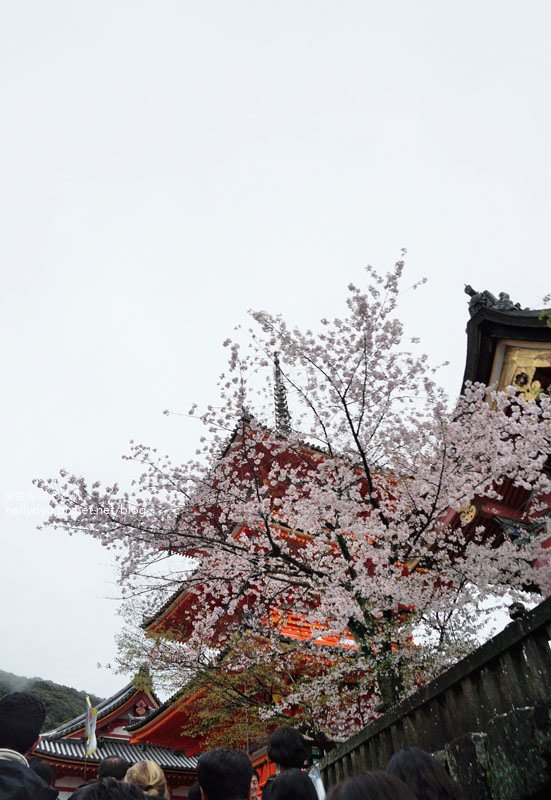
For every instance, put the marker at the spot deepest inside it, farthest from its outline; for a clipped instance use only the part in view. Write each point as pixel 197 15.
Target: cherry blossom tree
pixel 352 516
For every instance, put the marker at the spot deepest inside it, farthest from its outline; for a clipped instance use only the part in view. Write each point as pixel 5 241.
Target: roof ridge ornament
pixel 486 299
pixel 282 415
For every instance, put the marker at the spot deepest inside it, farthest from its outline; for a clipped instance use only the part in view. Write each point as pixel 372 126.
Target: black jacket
pixel 18 782
pixel 268 786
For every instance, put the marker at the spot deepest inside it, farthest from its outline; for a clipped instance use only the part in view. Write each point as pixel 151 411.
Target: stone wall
pixel 488 716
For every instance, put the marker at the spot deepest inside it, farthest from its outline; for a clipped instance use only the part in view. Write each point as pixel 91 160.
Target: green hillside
pixel 62 702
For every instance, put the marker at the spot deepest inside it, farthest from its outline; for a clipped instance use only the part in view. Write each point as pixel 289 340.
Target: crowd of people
pixel 222 773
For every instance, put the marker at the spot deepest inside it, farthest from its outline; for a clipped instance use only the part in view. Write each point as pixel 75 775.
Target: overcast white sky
pixel 166 166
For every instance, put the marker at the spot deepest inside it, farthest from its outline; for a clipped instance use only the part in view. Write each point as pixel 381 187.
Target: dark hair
pixel 225 774
pixel 194 791
pixel 42 769
pixel 293 785
pixel 21 719
pixel 288 748
pixel 372 786
pixel 112 767
pixel 110 789
pixel 257 773
pixel 424 774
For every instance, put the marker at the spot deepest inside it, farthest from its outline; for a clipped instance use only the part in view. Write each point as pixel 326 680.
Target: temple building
pixel 64 748
pixel 506 346
pixel 168 725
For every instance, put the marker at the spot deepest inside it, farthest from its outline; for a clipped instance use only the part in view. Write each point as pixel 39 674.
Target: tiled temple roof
pixel 104 709
pixel 75 750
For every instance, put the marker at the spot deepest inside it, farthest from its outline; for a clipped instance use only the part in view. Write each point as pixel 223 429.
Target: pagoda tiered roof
pixel 495 323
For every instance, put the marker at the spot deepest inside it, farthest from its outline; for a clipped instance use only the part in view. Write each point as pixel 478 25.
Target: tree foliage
pixel 351 515
pixel 62 702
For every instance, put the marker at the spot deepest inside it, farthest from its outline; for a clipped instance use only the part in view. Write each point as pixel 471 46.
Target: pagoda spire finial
pixel 282 415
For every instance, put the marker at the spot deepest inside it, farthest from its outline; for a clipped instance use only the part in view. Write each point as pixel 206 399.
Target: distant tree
pixel 546 313
pixel 62 702
pixel 371 532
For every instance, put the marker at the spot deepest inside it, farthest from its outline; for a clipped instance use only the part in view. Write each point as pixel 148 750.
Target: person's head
pixel 110 789
pixel 424 774
pixel 293 785
pixel 288 748
pixel 42 769
pixel 372 786
pixel 194 792
pixel 21 719
pixel 149 777
pixel 224 774
pixel 255 781
pixel 112 767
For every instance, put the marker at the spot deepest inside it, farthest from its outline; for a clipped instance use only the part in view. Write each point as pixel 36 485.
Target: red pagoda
pixel 506 345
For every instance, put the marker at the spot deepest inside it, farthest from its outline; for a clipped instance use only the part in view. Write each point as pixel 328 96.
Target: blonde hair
pixel 149 777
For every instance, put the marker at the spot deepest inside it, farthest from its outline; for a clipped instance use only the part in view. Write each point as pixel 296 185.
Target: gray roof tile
pixel 75 750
